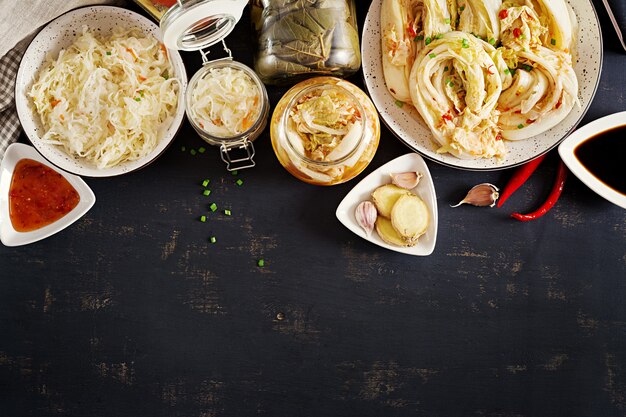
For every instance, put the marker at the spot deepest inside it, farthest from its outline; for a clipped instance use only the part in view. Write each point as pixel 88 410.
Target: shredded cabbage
pixel 225 102
pixel 107 99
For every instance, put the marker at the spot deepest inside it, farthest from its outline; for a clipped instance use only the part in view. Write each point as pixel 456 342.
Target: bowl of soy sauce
pixel 596 154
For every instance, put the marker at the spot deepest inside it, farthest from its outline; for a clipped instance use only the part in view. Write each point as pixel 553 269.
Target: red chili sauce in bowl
pixel 38 196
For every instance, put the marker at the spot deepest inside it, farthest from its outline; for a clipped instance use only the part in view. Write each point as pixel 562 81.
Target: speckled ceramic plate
pixel 59 34
pixel 408 126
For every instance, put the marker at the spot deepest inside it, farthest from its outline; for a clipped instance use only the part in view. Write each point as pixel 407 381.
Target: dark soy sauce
pixel 604 155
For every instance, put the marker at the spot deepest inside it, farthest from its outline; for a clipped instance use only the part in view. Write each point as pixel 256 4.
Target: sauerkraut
pixel 225 102
pixel 107 99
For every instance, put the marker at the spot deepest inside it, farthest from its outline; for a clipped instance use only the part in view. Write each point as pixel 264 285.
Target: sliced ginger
pixel 384 197
pixel 402 216
pixel 409 217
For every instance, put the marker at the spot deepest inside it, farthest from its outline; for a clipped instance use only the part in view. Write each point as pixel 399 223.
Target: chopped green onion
pixel 206 193
pixel 527 67
pixel 109 53
pixel 239 182
pixel 439 36
pixel 451 84
pixel 461 8
pixel 140 93
pixel 202 149
pixel 203 219
pixel 235 172
pixel 137 99
pixel 205 183
pixel 428 40
pixel 492 41
pixel 465 43
pixel 261 263
pixel 213 207
pixel 193 152
pixel 520 126
pixel 432 55
pixel 399 103
pixel 553 41
pixel 213 239
pixel 227 212
pixel 447 20
pixel 446 68
pixel 418 38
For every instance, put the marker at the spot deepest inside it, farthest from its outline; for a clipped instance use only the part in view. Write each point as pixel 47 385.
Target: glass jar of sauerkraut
pixel 298 39
pixel 226 102
pixel 325 131
pixel 227 105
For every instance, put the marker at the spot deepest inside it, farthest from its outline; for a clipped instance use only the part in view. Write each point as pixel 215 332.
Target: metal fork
pixel 615 25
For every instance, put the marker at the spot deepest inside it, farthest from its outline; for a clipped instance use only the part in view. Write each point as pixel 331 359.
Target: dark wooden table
pixel 133 312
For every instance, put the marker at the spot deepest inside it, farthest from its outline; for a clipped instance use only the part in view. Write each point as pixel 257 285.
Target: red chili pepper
pixel 503 13
pixel 557 188
pixel 411 31
pixel 519 177
pixel 517 32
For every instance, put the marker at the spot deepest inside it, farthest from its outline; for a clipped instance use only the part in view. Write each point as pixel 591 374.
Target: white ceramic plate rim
pixel 58 34
pixel 413 132
pixel 363 190
pixel 8 235
pixel 569 145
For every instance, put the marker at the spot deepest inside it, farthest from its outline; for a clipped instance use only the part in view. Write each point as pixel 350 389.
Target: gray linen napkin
pixel 18 23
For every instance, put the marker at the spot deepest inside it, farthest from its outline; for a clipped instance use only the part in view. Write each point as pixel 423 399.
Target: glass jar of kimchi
pixel 325 131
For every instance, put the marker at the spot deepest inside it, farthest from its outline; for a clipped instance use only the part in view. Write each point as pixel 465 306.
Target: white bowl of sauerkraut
pixel 98 94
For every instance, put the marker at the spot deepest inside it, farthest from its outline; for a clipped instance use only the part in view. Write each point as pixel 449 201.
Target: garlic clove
pixel 366 215
pixel 481 195
pixel 407 180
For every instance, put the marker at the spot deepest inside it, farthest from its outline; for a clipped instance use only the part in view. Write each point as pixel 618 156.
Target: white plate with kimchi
pixel 482 84
pixel 98 94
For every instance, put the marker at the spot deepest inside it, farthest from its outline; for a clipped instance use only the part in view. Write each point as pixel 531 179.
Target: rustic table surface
pixel 133 312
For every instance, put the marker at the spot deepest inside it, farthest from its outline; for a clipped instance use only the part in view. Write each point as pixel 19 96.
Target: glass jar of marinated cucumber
pixel 325 131
pixel 298 39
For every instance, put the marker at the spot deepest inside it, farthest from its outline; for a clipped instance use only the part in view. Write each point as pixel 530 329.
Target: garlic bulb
pixel 366 215
pixel 481 195
pixel 407 180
